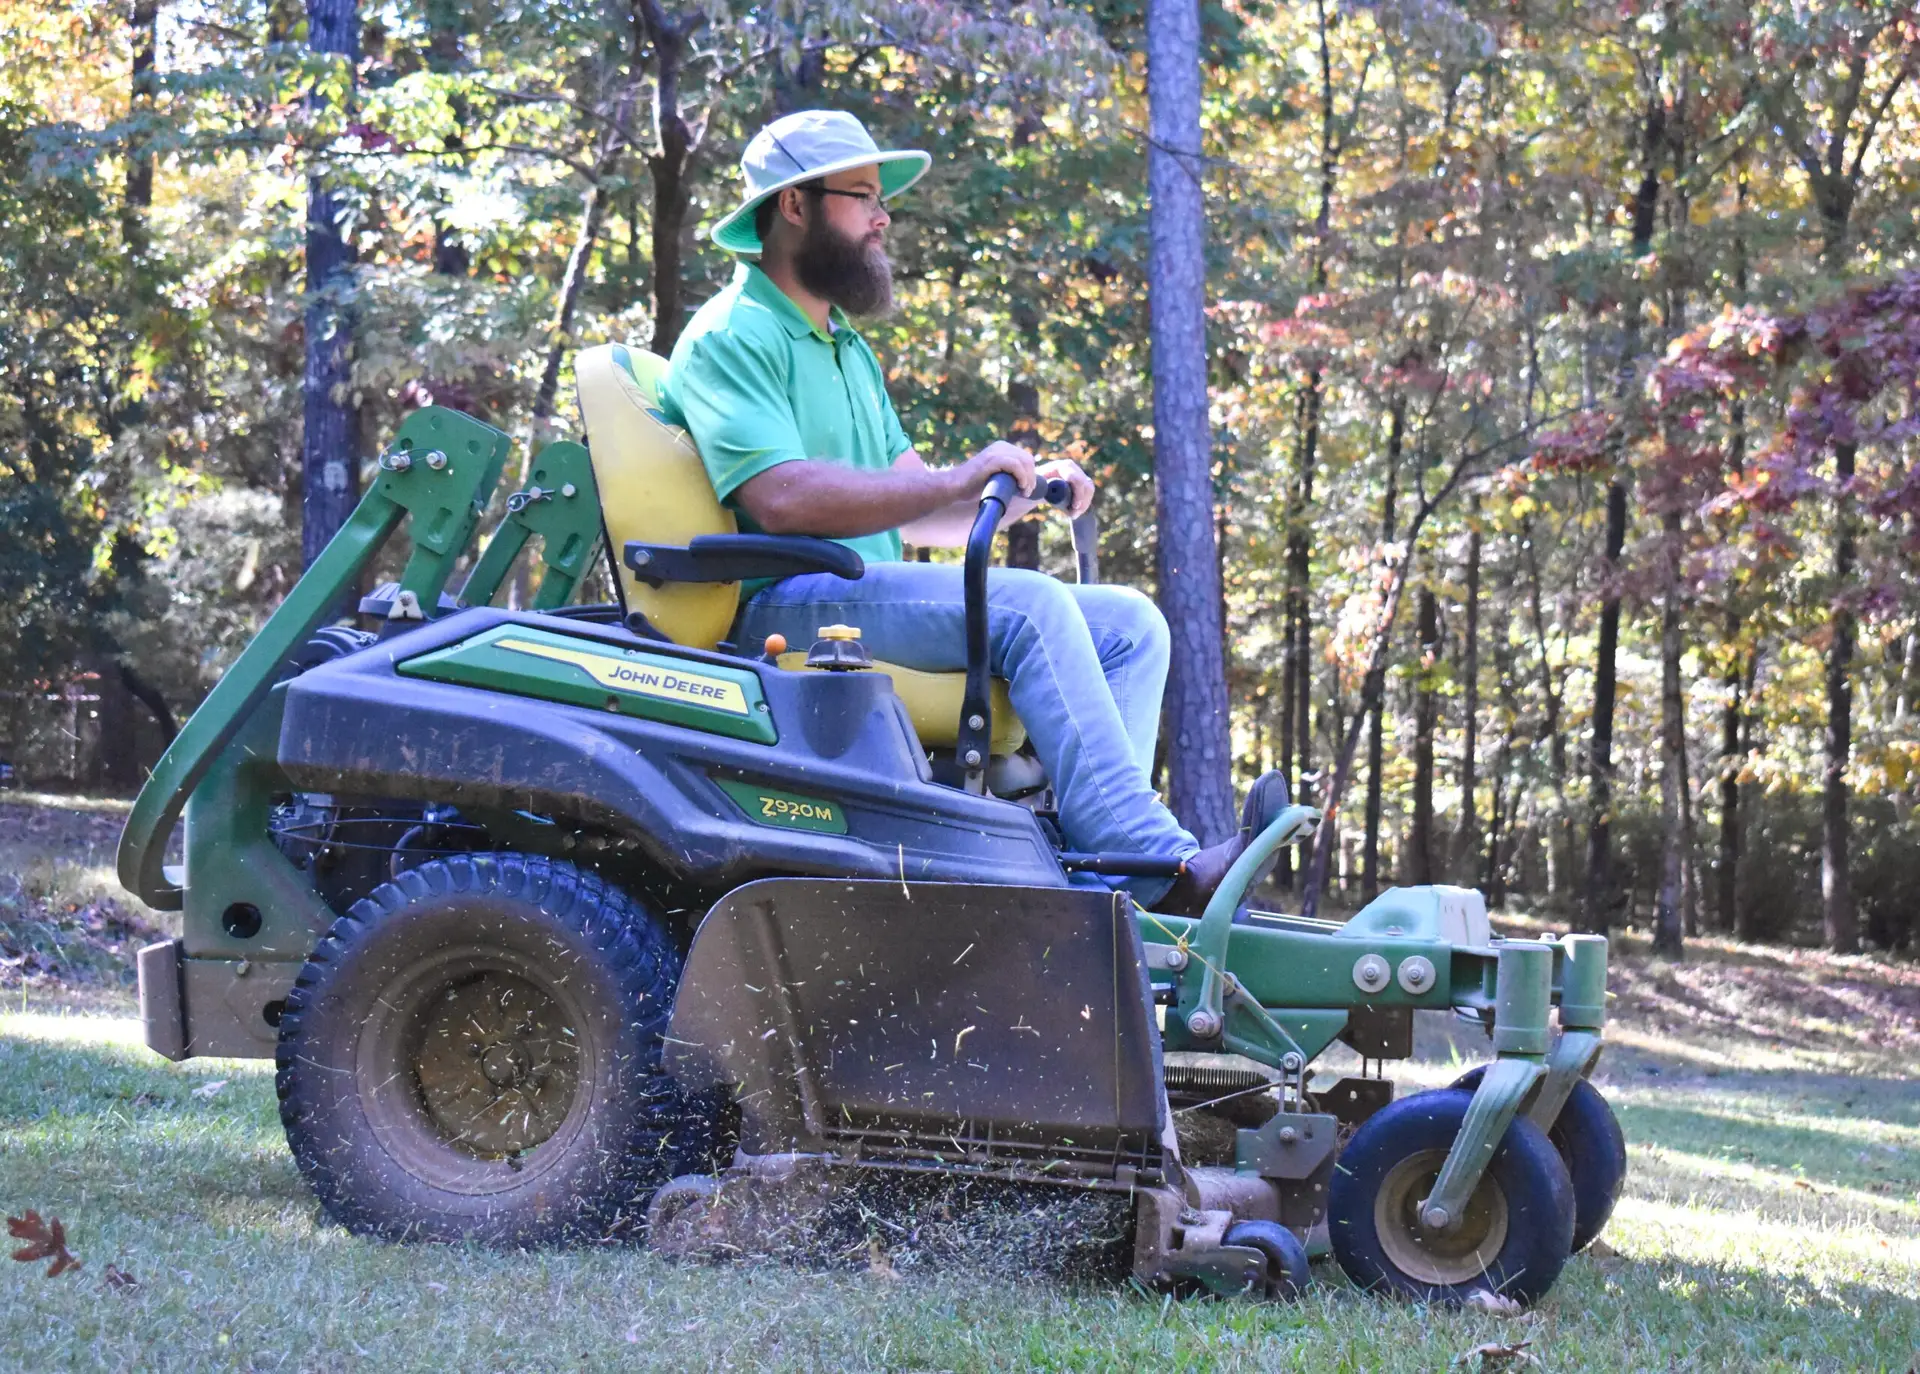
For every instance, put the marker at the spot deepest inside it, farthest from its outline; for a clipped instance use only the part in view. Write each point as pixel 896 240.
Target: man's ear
pixel 793 207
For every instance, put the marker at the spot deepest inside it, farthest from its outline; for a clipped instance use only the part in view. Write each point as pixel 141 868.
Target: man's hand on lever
pixel 998 456
pixel 934 507
pixel 947 528
pixel 1081 484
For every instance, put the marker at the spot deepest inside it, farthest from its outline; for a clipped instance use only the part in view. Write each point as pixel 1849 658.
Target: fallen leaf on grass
pixel 119 1279
pixel 1599 1249
pixel 209 1090
pixel 437 1287
pixel 44 1240
pixel 877 1262
pixel 1497 1354
pixel 1485 1300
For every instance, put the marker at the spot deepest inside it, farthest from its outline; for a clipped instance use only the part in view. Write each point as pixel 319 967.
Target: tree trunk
pixel 1023 536
pixel 150 697
pixel 672 198
pixel 146 26
pixel 1743 920
pixel 330 444
pixel 1200 762
pixel 1299 627
pixel 1298 633
pixel 1558 838
pixel 670 164
pixel 1602 898
pixel 1690 898
pixel 1023 395
pixel 1467 847
pixel 1376 766
pixel 1349 730
pixel 1023 544
pixel 1836 880
pixel 798 87
pixel 1731 763
pixel 1421 868
pixel 1495 881
pixel 446 23
pixel 593 212
pixel 1375 703
pixel 1669 912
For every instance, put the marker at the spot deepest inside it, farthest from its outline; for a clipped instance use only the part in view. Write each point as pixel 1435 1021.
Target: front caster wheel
pixel 1286 1274
pixel 1515 1233
pixel 1588 1136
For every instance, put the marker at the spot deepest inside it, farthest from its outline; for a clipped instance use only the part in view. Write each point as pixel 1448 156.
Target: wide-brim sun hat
pixel 805 145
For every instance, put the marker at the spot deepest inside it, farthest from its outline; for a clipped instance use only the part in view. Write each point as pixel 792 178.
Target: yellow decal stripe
pixel 645 678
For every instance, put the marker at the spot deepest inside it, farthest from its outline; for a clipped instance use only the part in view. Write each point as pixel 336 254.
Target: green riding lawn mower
pixel 574 922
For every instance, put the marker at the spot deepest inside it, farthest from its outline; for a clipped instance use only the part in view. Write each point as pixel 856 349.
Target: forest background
pixel 1559 373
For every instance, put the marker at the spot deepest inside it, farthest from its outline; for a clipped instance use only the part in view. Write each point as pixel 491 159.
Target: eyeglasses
pixel 870 199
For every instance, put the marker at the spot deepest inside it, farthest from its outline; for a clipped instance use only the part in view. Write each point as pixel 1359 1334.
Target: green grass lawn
pixel 1772 1220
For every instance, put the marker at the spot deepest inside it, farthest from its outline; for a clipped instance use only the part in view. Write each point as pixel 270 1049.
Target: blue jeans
pixel 1085 666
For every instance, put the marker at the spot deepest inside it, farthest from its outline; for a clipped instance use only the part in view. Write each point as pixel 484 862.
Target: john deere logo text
pixel 645 677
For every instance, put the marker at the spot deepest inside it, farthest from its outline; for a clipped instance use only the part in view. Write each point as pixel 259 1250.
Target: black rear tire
pixel 1512 1240
pixel 1588 1136
pixel 473 1053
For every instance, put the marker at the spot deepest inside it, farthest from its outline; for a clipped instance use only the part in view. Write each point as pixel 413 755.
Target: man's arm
pixel 832 501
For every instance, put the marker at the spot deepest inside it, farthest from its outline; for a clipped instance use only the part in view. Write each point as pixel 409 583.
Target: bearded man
pixel 789 409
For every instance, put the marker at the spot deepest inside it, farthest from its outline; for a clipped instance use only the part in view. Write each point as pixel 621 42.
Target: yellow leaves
pixel 1890 767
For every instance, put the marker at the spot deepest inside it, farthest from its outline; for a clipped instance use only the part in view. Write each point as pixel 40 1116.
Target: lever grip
pixel 1053 491
pixel 1000 487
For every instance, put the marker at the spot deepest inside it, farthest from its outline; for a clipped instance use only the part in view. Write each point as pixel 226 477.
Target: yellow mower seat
pixel 654 489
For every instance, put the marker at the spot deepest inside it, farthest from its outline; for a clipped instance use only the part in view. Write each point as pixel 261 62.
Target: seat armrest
pixel 738 557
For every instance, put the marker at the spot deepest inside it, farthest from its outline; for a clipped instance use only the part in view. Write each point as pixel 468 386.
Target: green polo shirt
pixel 757 384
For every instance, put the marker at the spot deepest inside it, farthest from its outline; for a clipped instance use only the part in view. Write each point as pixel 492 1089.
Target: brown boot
pixel 1194 888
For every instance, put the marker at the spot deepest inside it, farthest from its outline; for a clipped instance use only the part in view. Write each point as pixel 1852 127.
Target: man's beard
pixel 850 273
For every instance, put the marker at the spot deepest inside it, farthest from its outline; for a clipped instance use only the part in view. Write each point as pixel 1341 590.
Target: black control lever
pixel 976 707
pixel 1051 491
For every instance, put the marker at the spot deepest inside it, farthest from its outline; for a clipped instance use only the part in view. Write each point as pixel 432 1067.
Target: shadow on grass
pixel 1795 1000
pixel 1701 1125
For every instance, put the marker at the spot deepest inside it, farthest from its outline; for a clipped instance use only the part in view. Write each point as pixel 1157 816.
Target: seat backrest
pixel 653 488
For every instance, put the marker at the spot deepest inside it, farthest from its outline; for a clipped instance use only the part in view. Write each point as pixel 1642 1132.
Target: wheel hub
pixel 496 1065
pixel 1457 1253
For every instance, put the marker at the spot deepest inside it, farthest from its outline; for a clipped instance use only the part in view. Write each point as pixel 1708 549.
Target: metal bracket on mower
pixel 1173 1240
pixel 1218 1008
pixel 561 504
pixel 441 496
pixel 1520 1039
pixel 1583 1011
